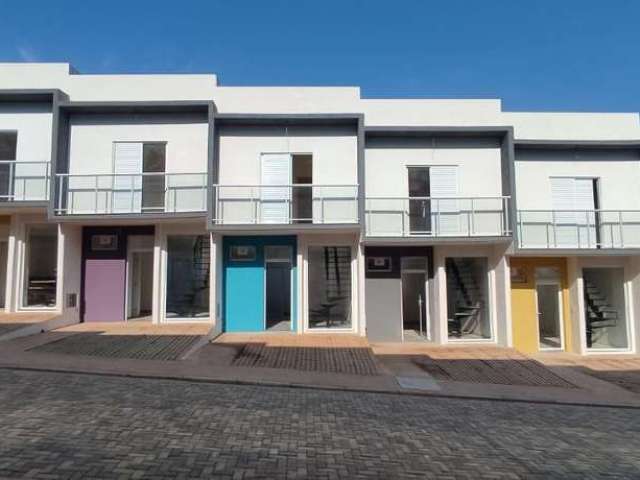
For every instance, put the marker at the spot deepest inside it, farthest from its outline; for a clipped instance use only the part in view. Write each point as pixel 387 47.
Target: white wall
pixel 92 137
pixel 433 112
pixel 92 140
pixel 287 99
pixel 334 150
pixel 335 162
pixel 479 174
pixel 82 87
pixel 479 169
pixel 618 174
pixel 573 125
pixel 33 123
pixel 71 238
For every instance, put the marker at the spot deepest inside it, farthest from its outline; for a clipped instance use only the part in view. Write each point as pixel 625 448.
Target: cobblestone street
pixel 56 425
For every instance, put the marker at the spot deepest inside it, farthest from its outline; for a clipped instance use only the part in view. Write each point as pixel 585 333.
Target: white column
pixel 502 297
pixel 215 279
pixel 362 317
pixel 302 285
pixel 634 320
pixel 440 327
pixel 60 269
pixel 13 279
pixel 159 280
pixel 576 302
pixel 69 278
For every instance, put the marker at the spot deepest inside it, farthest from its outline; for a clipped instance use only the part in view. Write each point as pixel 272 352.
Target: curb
pixel 326 388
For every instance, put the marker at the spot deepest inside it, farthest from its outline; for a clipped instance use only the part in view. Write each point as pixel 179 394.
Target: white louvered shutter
pixel 563 192
pixel 127 190
pixel 274 201
pixel 573 204
pixel 443 183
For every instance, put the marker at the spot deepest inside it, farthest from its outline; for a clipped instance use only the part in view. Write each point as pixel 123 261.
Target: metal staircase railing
pixel 599 313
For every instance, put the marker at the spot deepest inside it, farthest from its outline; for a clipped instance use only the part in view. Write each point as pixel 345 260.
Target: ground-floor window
pixel 40 266
pixel 329 287
pixel 468 298
pixel 604 308
pixel 188 267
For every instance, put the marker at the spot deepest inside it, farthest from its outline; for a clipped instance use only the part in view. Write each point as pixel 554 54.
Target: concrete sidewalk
pixel 393 369
pixel 15 325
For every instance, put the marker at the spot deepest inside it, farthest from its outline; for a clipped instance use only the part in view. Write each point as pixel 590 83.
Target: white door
pixel 275 201
pixel 127 184
pixel 443 184
pixel 574 217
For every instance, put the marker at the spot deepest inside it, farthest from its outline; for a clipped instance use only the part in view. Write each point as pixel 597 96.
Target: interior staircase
pixel 201 266
pixel 468 307
pixel 337 274
pixel 599 312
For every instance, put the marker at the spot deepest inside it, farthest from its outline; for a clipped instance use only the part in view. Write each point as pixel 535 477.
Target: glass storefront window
pixel 40 267
pixel 188 267
pixel 329 287
pixel 604 308
pixel 468 298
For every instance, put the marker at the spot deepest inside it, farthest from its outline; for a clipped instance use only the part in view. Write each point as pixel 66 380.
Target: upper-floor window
pixel 433 182
pixel 8 143
pixel 282 202
pixel 575 204
pixel 139 183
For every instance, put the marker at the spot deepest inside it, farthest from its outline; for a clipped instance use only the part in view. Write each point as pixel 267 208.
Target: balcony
pixel 118 194
pixel 285 204
pixel 437 217
pixel 24 181
pixel 579 229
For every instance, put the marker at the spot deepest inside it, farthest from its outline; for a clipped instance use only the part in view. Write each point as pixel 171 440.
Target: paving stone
pixel 351 360
pixel 58 425
pixel 144 347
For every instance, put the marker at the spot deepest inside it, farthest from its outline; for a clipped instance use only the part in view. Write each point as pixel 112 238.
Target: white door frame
pixel 558 284
pixel 627 288
pixel 128 279
pixel 291 283
pixel 353 249
pixel 424 271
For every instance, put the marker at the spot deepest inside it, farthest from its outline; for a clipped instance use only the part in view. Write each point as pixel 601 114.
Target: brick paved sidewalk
pixel 621 370
pixel 132 340
pixel 348 354
pixel 475 364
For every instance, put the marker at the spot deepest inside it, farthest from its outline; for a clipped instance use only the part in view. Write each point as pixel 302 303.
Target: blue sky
pixel 534 55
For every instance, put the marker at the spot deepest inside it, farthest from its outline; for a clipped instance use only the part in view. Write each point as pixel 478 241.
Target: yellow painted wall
pixel 523 302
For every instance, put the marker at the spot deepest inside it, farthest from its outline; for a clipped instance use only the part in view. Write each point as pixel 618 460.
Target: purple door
pixel 104 290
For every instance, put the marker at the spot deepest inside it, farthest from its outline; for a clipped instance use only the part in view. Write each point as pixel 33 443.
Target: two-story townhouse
pixel 28 245
pixel 125 205
pixel 170 198
pixel 286 219
pixel 574 269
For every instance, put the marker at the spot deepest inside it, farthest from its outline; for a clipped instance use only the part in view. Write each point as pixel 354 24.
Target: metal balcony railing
pixel 437 217
pixel 23 181
pixel 285 204
pixel 579 228
pixel 143 193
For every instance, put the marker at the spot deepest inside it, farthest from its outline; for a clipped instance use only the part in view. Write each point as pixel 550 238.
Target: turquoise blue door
pixel 244 281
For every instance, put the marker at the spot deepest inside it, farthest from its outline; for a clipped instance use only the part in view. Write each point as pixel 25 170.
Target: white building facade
pixel 169 198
